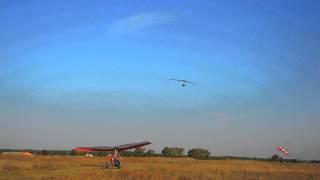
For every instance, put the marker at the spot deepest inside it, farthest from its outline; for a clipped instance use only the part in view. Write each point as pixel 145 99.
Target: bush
pixel 149 153
pixel 199 153
pixel 276 158
pixel 172 152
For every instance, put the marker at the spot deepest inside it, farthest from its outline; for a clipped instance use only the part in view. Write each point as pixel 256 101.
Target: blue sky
pixel 97 73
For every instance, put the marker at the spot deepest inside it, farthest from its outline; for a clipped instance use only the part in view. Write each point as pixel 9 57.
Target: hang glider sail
pixel 122 147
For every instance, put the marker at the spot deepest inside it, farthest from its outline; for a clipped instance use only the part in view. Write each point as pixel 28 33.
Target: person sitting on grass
pixel 110 159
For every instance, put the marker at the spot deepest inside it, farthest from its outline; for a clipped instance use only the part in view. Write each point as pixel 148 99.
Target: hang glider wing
pixel 175 79
pixel 189 82
pixel 183 81
pixel 123 147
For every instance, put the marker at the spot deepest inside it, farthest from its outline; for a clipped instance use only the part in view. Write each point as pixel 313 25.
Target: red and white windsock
pixel 283 150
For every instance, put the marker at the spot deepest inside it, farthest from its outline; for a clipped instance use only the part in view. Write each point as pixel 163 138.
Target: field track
pixel 64 167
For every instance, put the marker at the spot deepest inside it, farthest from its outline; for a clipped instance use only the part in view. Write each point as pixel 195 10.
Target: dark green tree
pixel 172 152
pixel 197 153
pixel 149 153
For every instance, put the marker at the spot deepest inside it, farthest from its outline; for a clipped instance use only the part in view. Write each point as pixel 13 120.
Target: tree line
pixel 138 152
pixel 173 152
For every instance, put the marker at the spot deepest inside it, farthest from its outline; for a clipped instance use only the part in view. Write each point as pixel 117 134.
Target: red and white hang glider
pixel 122 147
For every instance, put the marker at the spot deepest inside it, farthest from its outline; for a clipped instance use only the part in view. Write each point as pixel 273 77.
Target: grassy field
pixel 62 167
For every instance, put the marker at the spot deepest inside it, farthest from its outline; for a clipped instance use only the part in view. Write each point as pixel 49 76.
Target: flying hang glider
pixel 183 82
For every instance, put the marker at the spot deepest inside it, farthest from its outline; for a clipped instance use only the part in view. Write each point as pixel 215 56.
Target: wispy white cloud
pixel 139 23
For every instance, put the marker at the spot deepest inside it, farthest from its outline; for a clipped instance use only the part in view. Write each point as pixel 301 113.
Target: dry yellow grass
pixel 62 167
